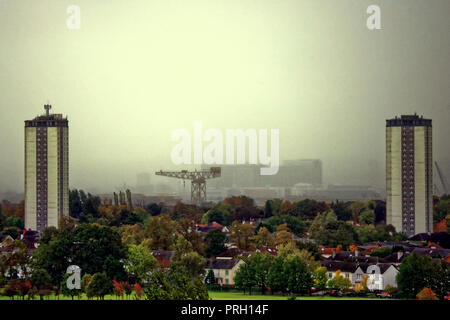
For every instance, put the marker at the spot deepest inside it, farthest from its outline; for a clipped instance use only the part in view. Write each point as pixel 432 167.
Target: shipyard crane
pixel 442 178
pixel 198 180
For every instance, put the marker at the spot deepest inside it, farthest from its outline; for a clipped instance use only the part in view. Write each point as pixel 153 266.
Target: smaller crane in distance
pixel 442 178
pixel 198 180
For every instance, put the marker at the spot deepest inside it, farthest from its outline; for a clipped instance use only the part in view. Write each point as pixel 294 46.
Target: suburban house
pixel 233 253
pixel 381 275
pixel 5 241
pixel 350 270
pixel 381 272
pixel 163 257
pixel 224 270
pixel 326 252
pixel 205 228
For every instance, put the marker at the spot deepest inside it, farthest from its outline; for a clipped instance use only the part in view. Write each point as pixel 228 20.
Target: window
pixel 330 275
pixel 226 281
pixel 226 272
pixel 347 275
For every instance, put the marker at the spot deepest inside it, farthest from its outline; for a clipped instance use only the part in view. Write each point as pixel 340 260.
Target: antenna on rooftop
pixel 47 109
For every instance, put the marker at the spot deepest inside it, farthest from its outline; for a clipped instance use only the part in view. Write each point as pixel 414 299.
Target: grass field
pixel 241 296
pixel 213 295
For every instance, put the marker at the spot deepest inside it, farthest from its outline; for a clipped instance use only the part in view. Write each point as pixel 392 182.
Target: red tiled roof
pixel 324 250
pixel 216 225
pixel 433 245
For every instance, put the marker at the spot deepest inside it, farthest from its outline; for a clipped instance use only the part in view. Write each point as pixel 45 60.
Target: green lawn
pixel 241 296
pixel 61 297
pixel 213 295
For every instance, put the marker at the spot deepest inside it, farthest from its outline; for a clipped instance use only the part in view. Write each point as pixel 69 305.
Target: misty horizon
pixel 135 73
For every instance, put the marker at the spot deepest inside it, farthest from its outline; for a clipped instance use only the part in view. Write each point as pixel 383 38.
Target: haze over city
pixel 135 72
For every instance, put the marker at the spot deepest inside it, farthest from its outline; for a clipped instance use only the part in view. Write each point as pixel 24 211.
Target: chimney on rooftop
pixel 399 255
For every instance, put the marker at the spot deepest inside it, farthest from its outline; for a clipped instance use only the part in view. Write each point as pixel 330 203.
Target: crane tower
pixel 198 180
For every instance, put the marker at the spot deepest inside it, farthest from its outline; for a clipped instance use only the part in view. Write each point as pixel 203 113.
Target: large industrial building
pixel 249 175
pixel 409 174
pixel 46 170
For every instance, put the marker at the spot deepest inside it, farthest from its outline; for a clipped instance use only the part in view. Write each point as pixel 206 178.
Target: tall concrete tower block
pixel 409 174
pixel 46 170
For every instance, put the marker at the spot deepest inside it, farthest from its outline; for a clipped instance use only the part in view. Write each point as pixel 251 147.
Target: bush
pixel 391 290
pixel 426 294
pixel 11 289
pixel 292 296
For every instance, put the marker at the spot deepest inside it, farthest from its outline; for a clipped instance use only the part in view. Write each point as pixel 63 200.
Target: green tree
pixel 366 217
pixel 381 252
pixel 175 285
pixel 263 238
pixel 99 249
pixel 341 210
pixel 441 209
pixel 243 208
pixel 320 221
pixel 133 234
pixel 298 278
pixel 187 261
pixel 189 211
pixel 380 212
pixel 290 272
pixel 92 247
pixel 139 262
pixel 160 231
pixel 116 199
pixel 240 234
pixel 276 279
pixel 416 273
pixel 49 234
pixel 153 208
pixel 220 213
pixel 42 281
pixel 13 232
pixel 335 233
pixel 260 264
pixel 272 208
pixel 14 260
pixel 296 225
pixel 367 233
pixel 129 201
pixel 14 222
pixel 210 278
pixel 308 209
pixel 320 278
pixel 356 208
pixel 75 205
pixel 215 240
pixel 339 282
pixel 99 286
pixel 185 227
pixel 85 280
pixel 311 247
pixel 245 278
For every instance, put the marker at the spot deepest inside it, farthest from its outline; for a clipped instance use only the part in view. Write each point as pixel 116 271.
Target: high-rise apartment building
pixel 409 174
pixel 46 170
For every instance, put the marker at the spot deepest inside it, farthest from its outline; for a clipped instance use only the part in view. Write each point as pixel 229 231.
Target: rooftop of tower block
pixel 408 120
pixel 48 119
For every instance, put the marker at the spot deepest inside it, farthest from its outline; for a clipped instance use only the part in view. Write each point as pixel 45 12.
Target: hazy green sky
pixel 137 70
